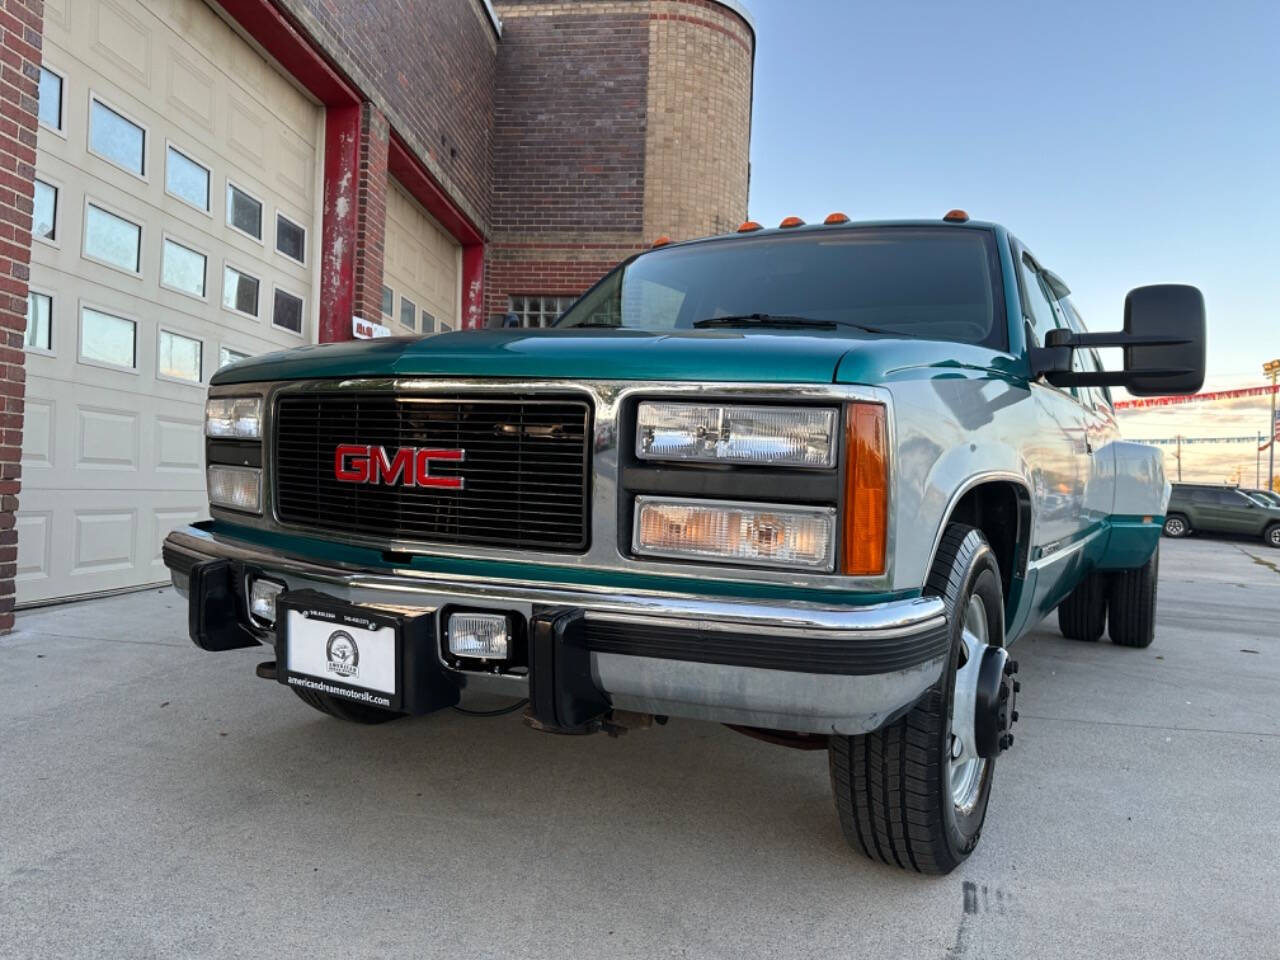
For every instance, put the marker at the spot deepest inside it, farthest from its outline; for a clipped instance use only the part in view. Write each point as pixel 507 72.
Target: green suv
pixel 1214 508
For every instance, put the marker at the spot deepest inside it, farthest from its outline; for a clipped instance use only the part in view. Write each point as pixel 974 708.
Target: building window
pixel 39 321
pixel 388 301
pixel 244 212
pixel 286 313
pixel 50 99
pixel 117 139
pixel 445 327
pixel 535 310
pixel 291 239
pixel 240 292
pixel 183 269
pixel 180 357
pixel 226 356
pixel 105 338
pixel 408 313
pixel 186 179
pixel 112 240
pixel 44 216
pixel 428 322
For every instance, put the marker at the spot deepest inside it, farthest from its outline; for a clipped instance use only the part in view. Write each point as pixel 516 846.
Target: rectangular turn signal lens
pixel 866 491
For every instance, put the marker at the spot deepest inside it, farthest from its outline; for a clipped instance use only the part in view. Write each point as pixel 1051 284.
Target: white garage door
pixel 175 228
pixel 421 268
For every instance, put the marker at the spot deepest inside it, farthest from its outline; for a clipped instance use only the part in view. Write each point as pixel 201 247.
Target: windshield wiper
pixel 789 320
pixel 589 325
pixel 765 320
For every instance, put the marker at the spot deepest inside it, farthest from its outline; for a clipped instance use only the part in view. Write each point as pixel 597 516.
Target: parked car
pixel 1268 496
pixel 811 482
pixel 1217 508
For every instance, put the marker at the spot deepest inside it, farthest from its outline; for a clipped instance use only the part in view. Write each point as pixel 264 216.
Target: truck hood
pixel 719 355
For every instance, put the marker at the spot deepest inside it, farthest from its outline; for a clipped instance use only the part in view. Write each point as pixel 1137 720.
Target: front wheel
pixel 1176 526
pixel 915 793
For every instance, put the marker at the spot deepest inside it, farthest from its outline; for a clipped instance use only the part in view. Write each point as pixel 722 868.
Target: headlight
pixel 716 433
pixel 234 418
pixel 748 533
pixel 239 488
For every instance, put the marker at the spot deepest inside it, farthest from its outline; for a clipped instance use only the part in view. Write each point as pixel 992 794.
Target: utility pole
pixel 1178 456
pixel 1272 369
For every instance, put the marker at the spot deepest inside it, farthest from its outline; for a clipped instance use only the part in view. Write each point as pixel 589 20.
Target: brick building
pixel 183 183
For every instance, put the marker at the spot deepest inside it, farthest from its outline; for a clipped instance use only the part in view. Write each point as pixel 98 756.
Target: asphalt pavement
pixel 158 801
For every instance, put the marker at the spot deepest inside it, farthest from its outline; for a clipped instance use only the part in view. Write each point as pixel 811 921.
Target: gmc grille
pixel 525 472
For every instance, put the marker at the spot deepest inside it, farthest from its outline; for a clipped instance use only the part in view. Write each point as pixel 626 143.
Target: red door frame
pixel 268 25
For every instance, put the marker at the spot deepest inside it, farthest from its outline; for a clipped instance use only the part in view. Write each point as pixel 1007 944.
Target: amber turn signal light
pixel 866 491
pixel 748 226
pixel 788 222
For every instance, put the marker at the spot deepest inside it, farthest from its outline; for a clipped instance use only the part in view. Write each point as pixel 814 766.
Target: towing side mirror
pixel 1163 340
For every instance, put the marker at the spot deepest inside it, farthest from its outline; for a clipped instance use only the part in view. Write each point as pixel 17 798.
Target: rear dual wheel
pixel 915 793
pixel 1122 601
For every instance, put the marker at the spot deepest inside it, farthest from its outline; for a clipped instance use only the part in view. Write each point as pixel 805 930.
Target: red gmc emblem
pixel 408 466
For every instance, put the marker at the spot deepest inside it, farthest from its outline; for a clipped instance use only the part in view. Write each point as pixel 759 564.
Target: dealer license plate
pixel 341 651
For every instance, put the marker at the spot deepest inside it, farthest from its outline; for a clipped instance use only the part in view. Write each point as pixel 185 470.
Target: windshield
pixel 935 282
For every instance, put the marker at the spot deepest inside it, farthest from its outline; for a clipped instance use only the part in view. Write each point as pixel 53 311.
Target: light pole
pixel 1272 369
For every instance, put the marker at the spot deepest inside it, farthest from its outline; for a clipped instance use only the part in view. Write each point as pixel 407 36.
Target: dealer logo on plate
pixel 343 654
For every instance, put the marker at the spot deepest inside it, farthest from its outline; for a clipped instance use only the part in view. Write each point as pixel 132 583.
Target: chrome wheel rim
pixel 1275 536
pixel 1173 527
pixel 967 768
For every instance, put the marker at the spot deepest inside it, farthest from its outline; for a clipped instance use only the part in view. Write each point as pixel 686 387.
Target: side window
pixel 1084 360
pixel 1037 305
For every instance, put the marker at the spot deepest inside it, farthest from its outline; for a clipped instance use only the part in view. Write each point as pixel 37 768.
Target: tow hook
pixel 995 712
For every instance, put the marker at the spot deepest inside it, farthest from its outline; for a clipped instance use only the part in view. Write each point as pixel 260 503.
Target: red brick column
pixel 355 213
pixel 21 29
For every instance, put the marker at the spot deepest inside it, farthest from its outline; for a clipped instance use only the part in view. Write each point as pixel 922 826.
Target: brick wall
pixel 21 25
pixel 429 66
pixel 615 122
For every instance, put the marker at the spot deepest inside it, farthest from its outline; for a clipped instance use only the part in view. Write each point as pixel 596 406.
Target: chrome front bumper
pixel 855 667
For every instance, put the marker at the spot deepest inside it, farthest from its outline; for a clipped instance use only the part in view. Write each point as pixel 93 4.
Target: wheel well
pixel 1001 509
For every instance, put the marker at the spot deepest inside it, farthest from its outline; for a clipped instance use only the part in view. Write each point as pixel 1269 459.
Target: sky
pixel 1126 143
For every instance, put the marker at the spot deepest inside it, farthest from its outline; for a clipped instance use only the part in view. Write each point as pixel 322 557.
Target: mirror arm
pixel 1067 338
pixel 1105 378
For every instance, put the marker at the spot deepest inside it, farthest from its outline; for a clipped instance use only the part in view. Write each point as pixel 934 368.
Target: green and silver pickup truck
pixel 811 482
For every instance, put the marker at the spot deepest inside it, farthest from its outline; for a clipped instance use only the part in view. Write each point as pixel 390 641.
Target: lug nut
pixel 1013 717
pixel 1004 692
pixel 1011 667
pixel 1017 686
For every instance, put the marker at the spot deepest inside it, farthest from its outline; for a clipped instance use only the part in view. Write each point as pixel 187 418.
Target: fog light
pixel 480 636
pixel 262 600
pixel 239 488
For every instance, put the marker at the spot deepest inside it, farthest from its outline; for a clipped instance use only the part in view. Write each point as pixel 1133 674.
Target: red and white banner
pixel 1143 402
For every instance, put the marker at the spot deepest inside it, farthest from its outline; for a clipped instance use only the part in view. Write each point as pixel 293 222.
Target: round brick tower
pixel 615 122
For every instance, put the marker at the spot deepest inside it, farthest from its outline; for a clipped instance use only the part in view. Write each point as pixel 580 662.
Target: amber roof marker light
pixel 662 241
pixel 956 216
pixel 789 222
pixel 834 218
pixel 749 226
pixel 866 491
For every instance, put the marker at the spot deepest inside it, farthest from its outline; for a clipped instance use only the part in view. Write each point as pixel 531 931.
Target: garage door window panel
pixel 111 239
pixel 428 322
pixel 291 239
pixel 179 357
pixel 52 86
pixel 240 291
pixel 244 212
pixel 44 215
pixel 184 269
pixel 287 311
pixel 108 340
pixel 39 336
pixel 228 355
pixel 408 313
pixel 187 180
pixel 116 138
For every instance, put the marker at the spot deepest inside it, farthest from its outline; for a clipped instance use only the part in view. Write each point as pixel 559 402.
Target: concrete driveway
pixel 157 801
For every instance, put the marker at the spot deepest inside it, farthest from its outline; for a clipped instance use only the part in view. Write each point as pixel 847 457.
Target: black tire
pixel 1132 599
pixel 1271 537
pixel 347 710
pixel 1177 526
pixel 893 787
pixel 1083 615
